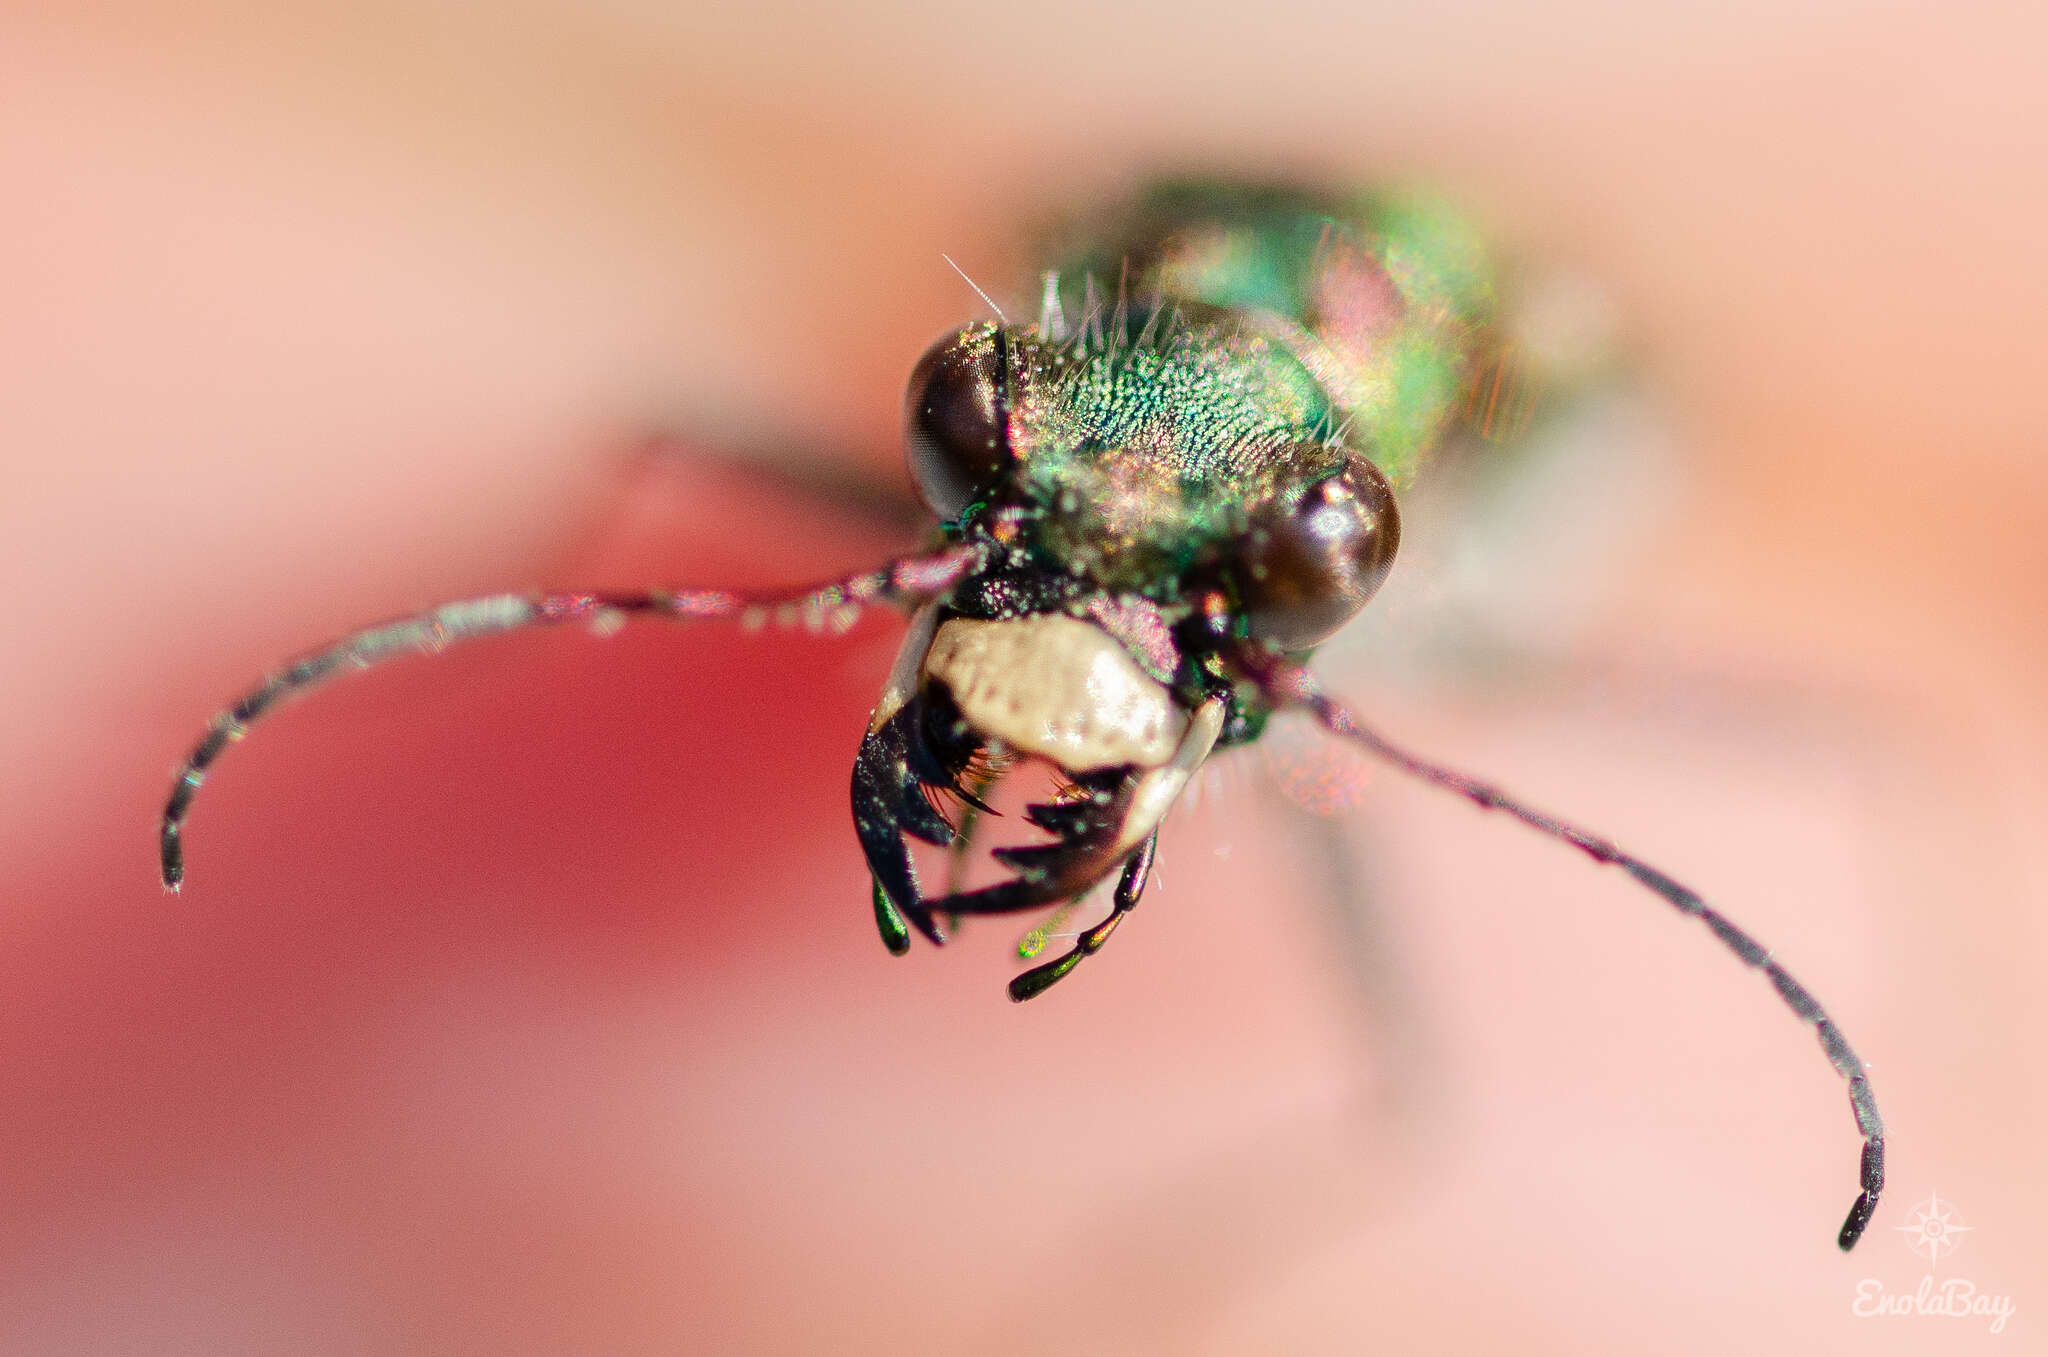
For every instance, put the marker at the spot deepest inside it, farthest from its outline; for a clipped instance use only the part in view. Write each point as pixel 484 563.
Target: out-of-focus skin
pixel 528 1000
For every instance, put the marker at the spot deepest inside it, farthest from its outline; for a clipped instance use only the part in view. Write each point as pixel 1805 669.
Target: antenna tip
pixel 1859 1216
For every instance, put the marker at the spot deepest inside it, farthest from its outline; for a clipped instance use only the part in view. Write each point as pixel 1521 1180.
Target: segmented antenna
pixel 833 605
pixel 1289 685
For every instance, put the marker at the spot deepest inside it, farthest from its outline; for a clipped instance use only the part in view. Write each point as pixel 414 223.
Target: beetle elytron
pixel 1151 513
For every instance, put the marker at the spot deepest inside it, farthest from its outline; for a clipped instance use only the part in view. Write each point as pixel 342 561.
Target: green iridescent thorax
pixel 1388 299
pixel 1147 449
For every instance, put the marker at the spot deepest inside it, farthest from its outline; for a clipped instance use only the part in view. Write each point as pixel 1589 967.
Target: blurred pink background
pixel 528 1001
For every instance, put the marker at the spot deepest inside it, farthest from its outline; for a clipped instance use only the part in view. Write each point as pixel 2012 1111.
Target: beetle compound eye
pixel 1307 566
pixel 956 420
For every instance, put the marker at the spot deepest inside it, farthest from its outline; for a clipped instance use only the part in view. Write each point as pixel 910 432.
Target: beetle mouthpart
pixel 901 764
pixel 888 802
pixel 1057 687
pixel 1046 686
pixel 1115 812
pixel 1089 842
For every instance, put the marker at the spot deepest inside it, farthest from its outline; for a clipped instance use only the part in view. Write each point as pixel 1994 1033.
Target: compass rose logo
pixel 1933 1228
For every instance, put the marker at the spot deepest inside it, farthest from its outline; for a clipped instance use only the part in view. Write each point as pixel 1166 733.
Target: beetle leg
pixel 1137 871
pixel 907 580
pixel 1385 1023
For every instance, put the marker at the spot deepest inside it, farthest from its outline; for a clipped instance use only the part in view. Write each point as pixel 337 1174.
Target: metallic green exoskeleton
pixel 1389 299
pixel 1155 501
pixel 1197 464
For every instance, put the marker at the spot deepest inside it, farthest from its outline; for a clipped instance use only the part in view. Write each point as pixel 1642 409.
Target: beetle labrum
pixel 1151 513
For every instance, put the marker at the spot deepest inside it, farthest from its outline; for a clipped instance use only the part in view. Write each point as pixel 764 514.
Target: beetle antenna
pixel 1289 685
pixel 907 580
pixel 977 288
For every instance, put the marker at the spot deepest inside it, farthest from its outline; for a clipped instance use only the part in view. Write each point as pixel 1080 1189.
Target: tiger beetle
pixel 1154 505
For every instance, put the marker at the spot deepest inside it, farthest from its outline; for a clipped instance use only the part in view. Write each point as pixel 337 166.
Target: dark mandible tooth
pixel 1065 818
pixel 881 807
